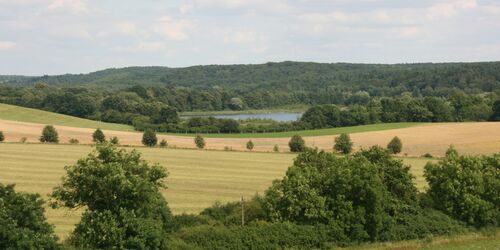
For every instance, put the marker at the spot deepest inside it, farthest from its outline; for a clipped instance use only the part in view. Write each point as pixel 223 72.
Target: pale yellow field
pixel 197 178
pixel 468 138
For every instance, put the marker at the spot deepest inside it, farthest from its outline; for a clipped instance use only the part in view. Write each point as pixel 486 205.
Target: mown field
pixel 197 178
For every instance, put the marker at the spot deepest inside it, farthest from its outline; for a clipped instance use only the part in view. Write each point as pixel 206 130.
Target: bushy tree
pixel 466 187
pixel 2 137
pixel 496 111
pixel 22 221
pixel 199 141
pixel 49 134
pixel 297 144
pixel 250 145
pixel 120 192
pixel 276 148
pixel 163 143
pixel 114 140
pixel 395 145
pixel 343 144
pixel 149 138
pixel 98 136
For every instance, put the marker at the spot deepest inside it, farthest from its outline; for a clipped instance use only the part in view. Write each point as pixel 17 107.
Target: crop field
pixel 197 178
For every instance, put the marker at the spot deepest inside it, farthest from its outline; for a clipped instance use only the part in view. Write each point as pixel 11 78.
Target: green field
pixel 21 114
pixel 197 178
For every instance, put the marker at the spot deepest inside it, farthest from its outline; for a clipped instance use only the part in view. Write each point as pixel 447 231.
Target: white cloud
pixel 173 29
pixel 240 37
pixel 143 46
pixel 125 27
pixel 74 6
pixel 449 9
pixel 7 45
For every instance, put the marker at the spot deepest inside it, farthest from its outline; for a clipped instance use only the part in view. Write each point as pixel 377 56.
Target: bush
pixel 98 136
pixel 250 145
pixel 73 141
pixel 149 138
pixel 114 140
pixel 163 143
pixel 23 139
pixel 49 134
pixel 395 145
pixel 2 137
pixel 297 144
pixel 23 223
pixel 276 148
pixel 343 144
pixel 427 155
pixel 199 141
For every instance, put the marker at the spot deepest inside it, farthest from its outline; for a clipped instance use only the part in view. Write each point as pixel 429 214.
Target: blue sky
pixel 78 36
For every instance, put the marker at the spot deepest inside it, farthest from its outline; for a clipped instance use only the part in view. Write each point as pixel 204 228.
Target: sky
pixel 40 37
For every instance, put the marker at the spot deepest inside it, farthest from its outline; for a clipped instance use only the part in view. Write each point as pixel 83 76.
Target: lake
pixel 276 116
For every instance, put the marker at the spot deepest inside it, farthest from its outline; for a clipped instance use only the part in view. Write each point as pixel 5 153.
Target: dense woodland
pixel 150 97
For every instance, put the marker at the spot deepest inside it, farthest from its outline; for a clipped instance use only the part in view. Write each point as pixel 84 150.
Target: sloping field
pixel 197 178
pixel 21 114
pixel 468 138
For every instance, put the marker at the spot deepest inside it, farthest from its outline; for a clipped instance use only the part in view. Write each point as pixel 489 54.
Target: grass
pixel 197 178
pixel 316 132
pixel 21 114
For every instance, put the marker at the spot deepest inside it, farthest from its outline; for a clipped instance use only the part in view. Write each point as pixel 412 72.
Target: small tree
pixel 73 141
pixel 163 143
pixel 276 148
pixel 250 145
pixel 98 136
pixel 2 137
pixel 114 140
pixel 199 141
pixel 395 145
pixel 49 134
pixel 149 138
pixel 343 144
pixel 297 144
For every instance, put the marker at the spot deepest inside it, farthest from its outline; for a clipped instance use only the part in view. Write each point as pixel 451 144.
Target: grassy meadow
pixel 21 114
pixel 197 178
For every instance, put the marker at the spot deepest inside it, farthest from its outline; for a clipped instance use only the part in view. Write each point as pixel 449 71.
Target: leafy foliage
pixel 297 144
pixel 120 194
pixel 2 137
pixel 149 138
pixel 250 145
pixel 343 143
pixel 23 223
pixel 395 145
pixel 98 136
pixel 49 134
pixel 199 141
pixel 163 143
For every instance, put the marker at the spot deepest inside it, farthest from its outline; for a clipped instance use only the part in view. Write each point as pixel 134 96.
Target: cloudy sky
pixel 77 36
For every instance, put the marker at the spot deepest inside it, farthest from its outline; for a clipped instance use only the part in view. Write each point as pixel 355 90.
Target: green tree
pixel 496 111
pixel 120 194
pixel 98 136
pixel 114 140
pixel 23 223
pixel 49 134
pixel 163 143
pixel 343 144
pixel 276 148
pixel 250 145
pixel 466 188
pixel 297 144
pixel 199 142
pixel 149 138
pixel 395 145
pixel 2 137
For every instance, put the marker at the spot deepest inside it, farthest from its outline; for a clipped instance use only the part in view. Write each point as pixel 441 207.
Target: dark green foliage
pixel 22 221
pixel 496 111
pixel 395 145
pixel 230 213
pixel 466 188
pixel 121 195
pixel 2 137
pixel 199 142
pixel 73 141
pixel 297 144
pixel 49 134
pixel 114 140
pixel 250 145
pixel 343 144
pixel 276 148
pixel 427 155
pixel 149 138
pixel 163 143
pixel 98 136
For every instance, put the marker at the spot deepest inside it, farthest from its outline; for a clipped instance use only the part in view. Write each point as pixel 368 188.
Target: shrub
pixel 395 145
pixel 199 141
pixel 49 134
pixel 73 141
pixel 343 144
pixel 149 138
pixel 297 144
pixel 276 148
pixel 227 148
pixel 114 140
pixel 2 137
pixel 23 139
pixel 98 136
pixel 250 145
pixel 23 223
pixel 427 155
pixel 163 143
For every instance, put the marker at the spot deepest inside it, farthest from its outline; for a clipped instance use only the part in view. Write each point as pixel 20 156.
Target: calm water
pixel 279 116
